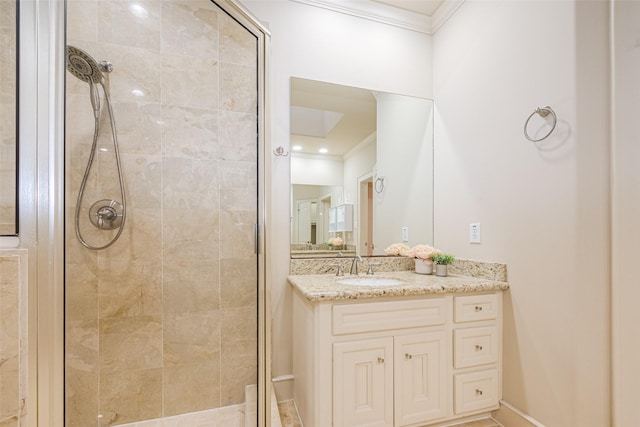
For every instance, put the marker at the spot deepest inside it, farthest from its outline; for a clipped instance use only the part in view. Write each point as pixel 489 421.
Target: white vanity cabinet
pixel 395 362
pixel 389 381
pixel 477 352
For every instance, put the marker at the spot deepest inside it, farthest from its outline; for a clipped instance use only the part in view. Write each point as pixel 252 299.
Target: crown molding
pixel 377 12
pixel 385 14
pixel 443 13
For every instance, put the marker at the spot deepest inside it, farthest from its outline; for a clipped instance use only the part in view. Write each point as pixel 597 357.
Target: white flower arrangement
pixel 398 249
pixel 423 252
pixel 335 241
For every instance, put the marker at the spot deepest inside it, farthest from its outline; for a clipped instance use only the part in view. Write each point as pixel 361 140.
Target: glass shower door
pixel 164 322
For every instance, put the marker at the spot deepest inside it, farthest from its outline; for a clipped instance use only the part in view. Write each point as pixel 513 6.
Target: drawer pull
pixel 408 356
pixel 478 308
pixel 479 392
pixel 478 347
pixel 380 359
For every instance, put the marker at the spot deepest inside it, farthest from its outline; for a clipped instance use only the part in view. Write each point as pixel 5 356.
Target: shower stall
pixel 164 272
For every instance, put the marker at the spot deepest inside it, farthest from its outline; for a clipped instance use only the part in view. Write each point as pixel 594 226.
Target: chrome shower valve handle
pixel 106 214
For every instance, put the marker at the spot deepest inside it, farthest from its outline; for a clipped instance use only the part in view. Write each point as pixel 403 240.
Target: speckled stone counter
pixel 325 287
pixel 462 267
pixel 325 265
pixel 320 253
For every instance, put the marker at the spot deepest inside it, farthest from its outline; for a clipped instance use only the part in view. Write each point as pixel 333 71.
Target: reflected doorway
pixel 365 198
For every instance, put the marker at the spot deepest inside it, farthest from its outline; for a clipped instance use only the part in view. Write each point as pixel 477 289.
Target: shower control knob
pixel 106 214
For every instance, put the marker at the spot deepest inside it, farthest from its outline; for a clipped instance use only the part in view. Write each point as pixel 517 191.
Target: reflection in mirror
pixel 8 108
pixel 361 170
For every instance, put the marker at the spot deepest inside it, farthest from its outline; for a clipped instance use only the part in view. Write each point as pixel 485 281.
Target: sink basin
pixel 370 281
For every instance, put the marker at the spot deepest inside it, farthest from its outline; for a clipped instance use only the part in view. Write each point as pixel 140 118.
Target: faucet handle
pixel 370 267
pixel 340 271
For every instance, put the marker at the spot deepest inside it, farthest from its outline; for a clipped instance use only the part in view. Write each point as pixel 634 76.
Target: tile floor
pixel 289 414
pixel 480 423
pixel 289 417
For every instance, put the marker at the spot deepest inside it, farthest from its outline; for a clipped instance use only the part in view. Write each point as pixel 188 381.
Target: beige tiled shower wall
pixel 164 322
pixel 12 338
pixel 7 116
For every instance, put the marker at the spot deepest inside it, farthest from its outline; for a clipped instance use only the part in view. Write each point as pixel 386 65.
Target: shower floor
pixel 241 415
pixel 228 416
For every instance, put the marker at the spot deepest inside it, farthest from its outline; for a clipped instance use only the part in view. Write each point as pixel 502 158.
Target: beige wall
pixel 318 44
pixel 164 321
pixel 626 211
pixel 543 207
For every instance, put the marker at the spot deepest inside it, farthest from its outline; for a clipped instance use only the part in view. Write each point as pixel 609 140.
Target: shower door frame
pixel 42 98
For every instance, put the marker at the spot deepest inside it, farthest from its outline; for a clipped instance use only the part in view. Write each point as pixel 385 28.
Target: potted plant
pixel 442 260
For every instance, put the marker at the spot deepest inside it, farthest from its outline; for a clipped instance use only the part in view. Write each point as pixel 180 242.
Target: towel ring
pixel 542 112
pixel 379 185
pixel 280 151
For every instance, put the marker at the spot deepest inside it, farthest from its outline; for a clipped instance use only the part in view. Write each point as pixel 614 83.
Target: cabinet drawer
pixel 475 346
pixel 476 307
pixel 382 316
pixel 476 391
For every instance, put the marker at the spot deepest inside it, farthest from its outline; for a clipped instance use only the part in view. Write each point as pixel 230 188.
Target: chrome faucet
pixel 354 264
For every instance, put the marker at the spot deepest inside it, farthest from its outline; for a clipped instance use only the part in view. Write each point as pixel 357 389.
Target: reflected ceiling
pixel 346 114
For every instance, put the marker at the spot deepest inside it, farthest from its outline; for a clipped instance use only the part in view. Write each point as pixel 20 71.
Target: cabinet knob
pixel 408 356
pixel 478 308
pixel 478 347
pixel 479 392
pixel 380 359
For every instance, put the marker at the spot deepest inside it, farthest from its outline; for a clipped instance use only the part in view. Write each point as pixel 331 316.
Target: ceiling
pixel 354 107
pixel 422 7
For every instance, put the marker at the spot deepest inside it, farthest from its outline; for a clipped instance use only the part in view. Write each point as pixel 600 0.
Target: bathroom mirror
pixel 361 170
pixel 8 117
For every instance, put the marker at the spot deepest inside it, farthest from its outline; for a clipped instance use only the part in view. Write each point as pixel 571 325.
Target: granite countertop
pixel 325 287
pixel 320 253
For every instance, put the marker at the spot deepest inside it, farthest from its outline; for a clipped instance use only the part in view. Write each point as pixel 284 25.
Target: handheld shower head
pixel 83 66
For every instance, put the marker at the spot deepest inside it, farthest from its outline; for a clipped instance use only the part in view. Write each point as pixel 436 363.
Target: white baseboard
pixel 509 415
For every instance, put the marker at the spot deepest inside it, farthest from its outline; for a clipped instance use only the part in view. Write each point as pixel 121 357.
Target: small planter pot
pixel 423 267
pixel 441 270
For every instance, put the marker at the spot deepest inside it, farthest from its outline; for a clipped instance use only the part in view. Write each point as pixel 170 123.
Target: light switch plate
pixel 474 233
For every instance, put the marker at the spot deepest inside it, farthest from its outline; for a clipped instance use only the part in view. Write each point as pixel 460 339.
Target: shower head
pixel 83 66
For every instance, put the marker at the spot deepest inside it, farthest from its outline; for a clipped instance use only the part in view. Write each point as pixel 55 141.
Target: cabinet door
pixel 333 222
pixel 363 383
pixel 420 378
pixel 344 218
